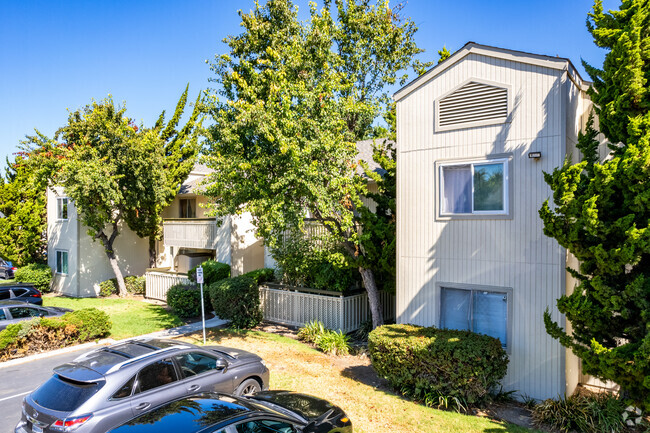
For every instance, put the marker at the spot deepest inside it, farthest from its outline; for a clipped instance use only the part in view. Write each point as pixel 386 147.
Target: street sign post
pixel 199 279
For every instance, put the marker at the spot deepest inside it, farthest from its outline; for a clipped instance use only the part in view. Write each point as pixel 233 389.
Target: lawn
pixel 130 317
pixel 350 383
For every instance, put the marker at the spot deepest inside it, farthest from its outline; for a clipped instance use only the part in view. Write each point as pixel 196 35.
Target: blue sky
pixel 58 55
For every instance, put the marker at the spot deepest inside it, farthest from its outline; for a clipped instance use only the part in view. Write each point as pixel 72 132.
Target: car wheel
pixel 248 387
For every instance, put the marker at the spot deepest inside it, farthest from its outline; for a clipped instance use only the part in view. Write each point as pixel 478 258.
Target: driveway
pixel 19 380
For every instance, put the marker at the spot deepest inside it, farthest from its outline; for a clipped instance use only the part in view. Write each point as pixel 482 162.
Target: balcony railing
pixel 195 233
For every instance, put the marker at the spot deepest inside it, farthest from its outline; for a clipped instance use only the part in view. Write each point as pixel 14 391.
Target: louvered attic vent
pixel 471 103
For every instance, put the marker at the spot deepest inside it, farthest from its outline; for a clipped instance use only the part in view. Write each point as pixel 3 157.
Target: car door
pixel 156 383
pixel 204 372
pixel 3 319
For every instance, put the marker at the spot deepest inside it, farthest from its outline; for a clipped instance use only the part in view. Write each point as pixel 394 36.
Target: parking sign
pixel 199 275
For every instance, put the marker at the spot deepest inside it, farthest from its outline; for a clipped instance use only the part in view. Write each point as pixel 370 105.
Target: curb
pixel 179 331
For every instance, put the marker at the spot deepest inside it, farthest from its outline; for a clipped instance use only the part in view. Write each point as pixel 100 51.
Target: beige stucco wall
pixel 247 250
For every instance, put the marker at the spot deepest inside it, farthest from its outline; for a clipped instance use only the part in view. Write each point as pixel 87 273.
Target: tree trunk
pixel 373 297
pixel 152 251
pixel 108 247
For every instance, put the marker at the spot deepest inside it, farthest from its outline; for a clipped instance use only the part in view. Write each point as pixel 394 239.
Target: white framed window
pixel 62 262
pixel 481 309
pixel 62 208
pixel 474 188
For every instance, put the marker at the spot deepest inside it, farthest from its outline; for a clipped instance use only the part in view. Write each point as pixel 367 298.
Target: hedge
pixel 261 276
pixel 212 272
pixel 185 300
pixel 40 334
pixel 238 300
pixel 39 275
pixel 438 362
pixel 134 285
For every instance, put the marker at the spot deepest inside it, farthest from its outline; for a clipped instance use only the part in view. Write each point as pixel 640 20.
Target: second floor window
pixel 188 208
pixel 474 188
pixel 62 208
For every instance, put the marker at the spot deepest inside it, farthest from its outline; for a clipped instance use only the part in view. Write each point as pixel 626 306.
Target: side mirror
pixel 222 364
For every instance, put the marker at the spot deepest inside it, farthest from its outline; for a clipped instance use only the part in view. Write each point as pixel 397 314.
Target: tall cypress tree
pixel 602 211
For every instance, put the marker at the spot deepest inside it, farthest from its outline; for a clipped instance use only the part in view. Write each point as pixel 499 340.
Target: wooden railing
pixel 158 283
pixel 299 306
pixel 192 233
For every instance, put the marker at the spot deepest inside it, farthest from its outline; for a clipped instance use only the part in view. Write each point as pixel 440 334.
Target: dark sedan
pixel 265 412
pixel 108 386
pixel 6 269
pixel 24 292
pixel 15 311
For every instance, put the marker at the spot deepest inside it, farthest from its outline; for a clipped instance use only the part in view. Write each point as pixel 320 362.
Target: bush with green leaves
pixel 237 299
pixel 423 361
pixel 38 334
pixel 331 342
pixel 213 271
pixel 597 413
pixel 134 285
pixel 108 287
pixel 261 276
pixel 37 274
pixel 185 300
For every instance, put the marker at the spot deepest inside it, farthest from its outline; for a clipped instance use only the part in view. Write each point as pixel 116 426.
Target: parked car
pixel 108 386
pixel 265 412
pixel 14 311
pixel 6 269
pixel 24 292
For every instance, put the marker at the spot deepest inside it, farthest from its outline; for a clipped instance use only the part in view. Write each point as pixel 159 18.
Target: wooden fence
pixel 299 306
pixel 158 282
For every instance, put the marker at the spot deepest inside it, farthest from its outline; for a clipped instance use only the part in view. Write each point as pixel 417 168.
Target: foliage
pixel 213 271
pixel 378 238
pixel 107 288
pixel 599 413
pixel 294 98
pixel 428 361
pixel 444 54
pixel 261 276
pixel 185 300
pixel 109 167
pixel 601 210
pixel 23 204
pixel 36 335
pixel 134 285
pixel 331 342
pixel 38 274
pixel 237 299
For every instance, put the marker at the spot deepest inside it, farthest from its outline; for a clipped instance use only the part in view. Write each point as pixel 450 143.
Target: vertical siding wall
pixel 511 253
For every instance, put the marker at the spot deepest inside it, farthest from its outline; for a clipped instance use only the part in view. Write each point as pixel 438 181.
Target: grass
pixel 350 383
pixel 6 282
pixel 130 317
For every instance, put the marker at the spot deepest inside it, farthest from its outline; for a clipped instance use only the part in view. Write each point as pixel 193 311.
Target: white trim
pixel 56 261
pixel 506 187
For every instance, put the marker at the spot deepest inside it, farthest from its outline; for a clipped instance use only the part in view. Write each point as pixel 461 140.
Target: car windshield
pixel 63 394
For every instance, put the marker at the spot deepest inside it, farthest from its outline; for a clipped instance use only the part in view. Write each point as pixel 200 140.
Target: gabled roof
pixel 550 62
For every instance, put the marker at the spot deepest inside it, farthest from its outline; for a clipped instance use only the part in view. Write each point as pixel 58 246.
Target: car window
pixel 61 394
pixel 156 374
pixel 2 314
pixel 4 294
pixel 20 312
pixel 265 426
pixel 125 391
pixel 19 292
pixel 194 363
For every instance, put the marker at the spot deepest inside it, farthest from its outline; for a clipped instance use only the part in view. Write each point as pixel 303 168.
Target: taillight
pixel 36 295
pixel 70 424
pixel 14 269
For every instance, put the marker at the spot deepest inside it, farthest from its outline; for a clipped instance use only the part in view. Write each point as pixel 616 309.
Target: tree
pixel 23 227
pixel 295 98
pixel 180 149
pixel 110 169
pixel 601 212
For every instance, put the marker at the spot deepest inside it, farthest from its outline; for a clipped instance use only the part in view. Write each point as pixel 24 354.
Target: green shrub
pixel 428 361
pixel 238 300
pixel 261 276
pixel 39 275
pixel 582 413
pixel 108 287
pixel 91 323
pixel 311 331
pixel 135 285
pixel 10 334
pixel 331 342
pixel 213 271
pixel 185 300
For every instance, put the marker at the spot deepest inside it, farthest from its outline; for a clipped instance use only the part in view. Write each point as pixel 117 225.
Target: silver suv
pixel 103 388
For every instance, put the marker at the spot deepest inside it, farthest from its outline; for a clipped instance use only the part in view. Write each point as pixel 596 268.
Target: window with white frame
pixel 62 208
pixel 484 311
pixel 61 262
pixel 474 188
